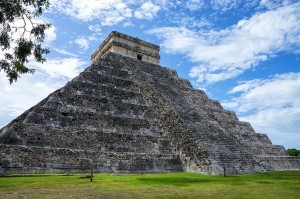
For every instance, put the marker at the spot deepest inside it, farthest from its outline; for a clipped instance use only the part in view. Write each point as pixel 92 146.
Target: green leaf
pixel 14 64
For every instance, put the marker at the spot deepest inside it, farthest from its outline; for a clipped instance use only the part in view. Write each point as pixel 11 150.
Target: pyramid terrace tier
pixel 109 139
pixel 104 106
pixel 26 159
pixel 99 92
pixel 100 79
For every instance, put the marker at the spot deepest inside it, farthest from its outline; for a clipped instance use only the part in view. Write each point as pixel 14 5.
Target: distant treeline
pixel 293 152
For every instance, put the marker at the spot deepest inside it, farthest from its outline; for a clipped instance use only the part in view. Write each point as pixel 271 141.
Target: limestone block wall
pixel 128 46
pixel 144 56
pixel 35 159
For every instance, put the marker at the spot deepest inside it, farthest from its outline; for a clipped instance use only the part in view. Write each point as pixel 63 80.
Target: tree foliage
pixel 20 36
pixel 293 152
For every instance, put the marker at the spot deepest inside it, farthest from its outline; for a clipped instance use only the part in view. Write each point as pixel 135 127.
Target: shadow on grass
pixel 177 181
pixel 32 175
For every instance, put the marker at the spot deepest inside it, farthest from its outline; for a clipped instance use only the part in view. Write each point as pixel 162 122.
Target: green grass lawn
pixel 167 185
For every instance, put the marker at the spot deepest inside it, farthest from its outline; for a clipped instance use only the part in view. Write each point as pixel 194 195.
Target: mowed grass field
pixel 166 185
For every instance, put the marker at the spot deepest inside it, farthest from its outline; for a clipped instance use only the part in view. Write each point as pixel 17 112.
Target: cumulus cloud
pixel 192 22
pixel 271 4
pixel 82 42
pixel 25 93
pixel 227 53
pixel 30 89
pixel 95 28
pixel 195 4
pixel 109 12
pixel 50 35
pixel 66 68
pixel 20 96
pixel 148 10
pixel 64 52
pixel 271 106
pixel 224 4
pixel 215 5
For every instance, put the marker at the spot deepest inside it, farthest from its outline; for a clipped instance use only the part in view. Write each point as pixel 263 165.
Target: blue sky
pixel 246 54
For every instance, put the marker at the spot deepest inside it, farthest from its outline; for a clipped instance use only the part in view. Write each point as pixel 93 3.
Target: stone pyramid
pixel 126 113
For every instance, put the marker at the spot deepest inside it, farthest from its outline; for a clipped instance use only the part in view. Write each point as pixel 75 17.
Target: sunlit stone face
pixel 128 46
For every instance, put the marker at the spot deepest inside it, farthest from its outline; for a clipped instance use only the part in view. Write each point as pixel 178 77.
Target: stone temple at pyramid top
pixel 126 45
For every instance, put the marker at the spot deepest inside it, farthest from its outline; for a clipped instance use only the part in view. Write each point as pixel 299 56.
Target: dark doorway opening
pixel 139 57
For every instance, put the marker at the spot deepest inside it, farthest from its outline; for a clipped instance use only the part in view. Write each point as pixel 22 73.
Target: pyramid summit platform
pixel 126 113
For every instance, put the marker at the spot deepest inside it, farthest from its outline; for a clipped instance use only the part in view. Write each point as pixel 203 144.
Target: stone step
pixel 96 151
pixel 41 159
pixel 73 112
pixel 220 114
pixel 36 132
pixel 96 120
pixel 108 63
pixel 105 92
pixel 84 139
pixel 110 80
pixel 129 99
pixel 195 94
pixel 108 71
pixel 96 74
pixel 94 88
pixel 103 105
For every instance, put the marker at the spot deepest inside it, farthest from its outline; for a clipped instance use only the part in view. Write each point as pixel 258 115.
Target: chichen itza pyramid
pixel 126 113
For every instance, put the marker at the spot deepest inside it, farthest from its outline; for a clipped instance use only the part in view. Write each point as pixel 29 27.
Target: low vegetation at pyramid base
pixel 284 184
pixel 293 152
pixel 127 114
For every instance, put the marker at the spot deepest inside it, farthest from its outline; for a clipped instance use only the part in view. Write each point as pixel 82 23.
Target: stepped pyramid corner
pixel 126 113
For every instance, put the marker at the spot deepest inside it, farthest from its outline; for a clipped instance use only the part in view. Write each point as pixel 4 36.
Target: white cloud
pixel 215 5
pixel 82 42
pixel 271 106
pixel 128 23
pixel 30 89
pixel 94 37
pixel 20 96
pixel 195 4
pixel 192 22
pixel 277 92
pixel 224 4
pixel 61 68
pixel 109 12
pixel 50 34
pixel 148 10
pixel 65 52
pixel 95 28
pixel 227 53
pixel 271 4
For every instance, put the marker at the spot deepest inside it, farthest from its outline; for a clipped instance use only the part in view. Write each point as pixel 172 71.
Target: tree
pixel 21 36
pixel 293 152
